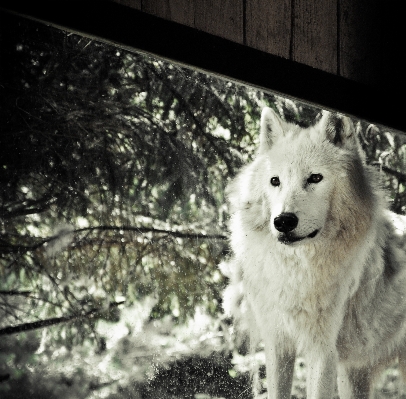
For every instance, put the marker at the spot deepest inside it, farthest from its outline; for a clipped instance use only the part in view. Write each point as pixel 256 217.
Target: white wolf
pixel 320 262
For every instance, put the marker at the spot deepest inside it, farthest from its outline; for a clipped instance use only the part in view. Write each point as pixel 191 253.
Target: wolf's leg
pixel 354 383
pixel 321 375
pixel 402 370
pixel 280 361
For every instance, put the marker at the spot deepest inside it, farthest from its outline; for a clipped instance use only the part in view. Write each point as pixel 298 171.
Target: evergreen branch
pixel 6 248
pixel 214 141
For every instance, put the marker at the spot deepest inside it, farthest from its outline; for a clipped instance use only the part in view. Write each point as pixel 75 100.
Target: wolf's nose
pixel 285 222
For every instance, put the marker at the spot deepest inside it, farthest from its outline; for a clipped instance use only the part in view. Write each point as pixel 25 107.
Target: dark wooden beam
pixel 134 30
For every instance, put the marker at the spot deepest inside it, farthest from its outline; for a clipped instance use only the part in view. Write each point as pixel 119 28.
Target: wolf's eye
pixel 275 181
pixel 315 178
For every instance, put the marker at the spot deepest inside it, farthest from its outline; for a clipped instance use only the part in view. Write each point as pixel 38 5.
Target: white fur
pixel 337 297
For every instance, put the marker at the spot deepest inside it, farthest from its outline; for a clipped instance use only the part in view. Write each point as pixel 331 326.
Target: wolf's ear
pixel 338 129
pixel 271 126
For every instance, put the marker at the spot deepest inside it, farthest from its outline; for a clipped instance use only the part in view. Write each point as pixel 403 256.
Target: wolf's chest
pixel 290 292
pixel 285 283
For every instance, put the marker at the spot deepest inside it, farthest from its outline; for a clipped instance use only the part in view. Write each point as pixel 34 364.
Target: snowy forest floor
pixel 145 359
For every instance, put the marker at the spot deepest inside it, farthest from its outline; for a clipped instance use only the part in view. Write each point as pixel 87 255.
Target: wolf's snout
pixel 285 222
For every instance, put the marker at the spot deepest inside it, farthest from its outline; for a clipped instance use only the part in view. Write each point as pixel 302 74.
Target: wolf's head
pixel 305 183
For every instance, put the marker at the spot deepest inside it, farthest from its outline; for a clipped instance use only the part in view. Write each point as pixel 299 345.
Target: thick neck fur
pixel 309 280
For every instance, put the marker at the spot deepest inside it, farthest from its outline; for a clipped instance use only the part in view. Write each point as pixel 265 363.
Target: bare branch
pixel 153 230
pixel 399 175
pixel 52 321
pixel 15 293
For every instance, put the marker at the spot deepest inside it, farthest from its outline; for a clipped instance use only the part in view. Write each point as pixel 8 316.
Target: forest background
pixel 113 219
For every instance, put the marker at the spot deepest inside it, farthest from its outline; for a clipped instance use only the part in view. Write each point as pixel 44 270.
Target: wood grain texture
pixel 181 11
pixel 130 3
pixel 361 48
pixel 314 40
pixel 358 39
pixel 268 26
pixel 222 18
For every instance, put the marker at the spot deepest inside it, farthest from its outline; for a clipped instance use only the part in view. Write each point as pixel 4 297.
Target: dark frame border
pixel 137 31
